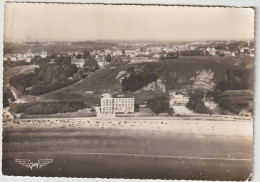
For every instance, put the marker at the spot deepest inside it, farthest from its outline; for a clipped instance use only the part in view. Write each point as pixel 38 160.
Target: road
pixel 128 154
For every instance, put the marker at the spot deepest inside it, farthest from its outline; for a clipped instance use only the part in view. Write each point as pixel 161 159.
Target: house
pixel 107 51
pixel 209 103
pixel 244 113
pixel 192 48
pixel 13 58
pixel 28 59
pixel 142 59
pixel 100 60
pixel 44 55
pixel 101 63
pixel 211 51
pixel 252 52
pixel 178 98
pixel 20 57
pixel 117 104
pixel 156 56
pixel 227 53
pixel 78 62
pixel 117 53
pixel 130 53
pixel 6 58
pixel 182 47
pixel 244 50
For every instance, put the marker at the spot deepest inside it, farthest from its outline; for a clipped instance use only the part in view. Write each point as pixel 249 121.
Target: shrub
pixel 8 98
pixel 21 108
pixel 233 104
pixel 192 53
pixel 136 82
pixel 45 108
pixel 196 102
pixel 159 104
pixel 16 63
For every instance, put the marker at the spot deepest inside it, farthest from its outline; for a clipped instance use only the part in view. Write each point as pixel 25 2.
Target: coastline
pixel 189 125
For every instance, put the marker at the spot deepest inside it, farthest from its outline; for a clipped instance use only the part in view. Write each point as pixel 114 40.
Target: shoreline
pixel 163 125
pixel 212 117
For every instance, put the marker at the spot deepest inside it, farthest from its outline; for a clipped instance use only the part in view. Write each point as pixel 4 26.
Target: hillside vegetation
pixel 176 74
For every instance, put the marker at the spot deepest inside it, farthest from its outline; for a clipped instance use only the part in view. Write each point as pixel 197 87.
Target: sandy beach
pixel 225 126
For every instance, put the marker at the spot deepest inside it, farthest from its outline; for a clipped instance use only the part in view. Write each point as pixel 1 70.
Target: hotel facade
pixel 117 104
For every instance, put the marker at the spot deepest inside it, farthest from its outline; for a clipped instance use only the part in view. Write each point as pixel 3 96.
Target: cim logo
pixel 31 165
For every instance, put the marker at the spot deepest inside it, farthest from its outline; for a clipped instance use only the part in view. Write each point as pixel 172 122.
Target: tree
pixel 70 70
pixel 36 60
pixel 142 49
pixel 53 55
pixel 66 60
pixel 192 53
pixel 215 94
pixel 78 56
pixel 136 81
pixel 7 50
pixel 201 108
pixel 108 58
pixel 196 102
pixel 59 61
pixel 91 65
pixel 38 90
pixel 159 104
pixel 86 54
pixel 8 98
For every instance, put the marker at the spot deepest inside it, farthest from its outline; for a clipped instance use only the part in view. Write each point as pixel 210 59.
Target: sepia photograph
pixel 128 91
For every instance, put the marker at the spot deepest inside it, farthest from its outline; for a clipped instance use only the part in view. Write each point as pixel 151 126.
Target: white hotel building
pixel 118 104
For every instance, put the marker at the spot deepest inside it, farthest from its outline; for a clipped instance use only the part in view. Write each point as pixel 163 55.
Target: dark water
pixel 127 154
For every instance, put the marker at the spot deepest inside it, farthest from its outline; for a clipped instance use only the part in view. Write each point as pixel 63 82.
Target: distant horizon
pixel 81 22
pixel 129 40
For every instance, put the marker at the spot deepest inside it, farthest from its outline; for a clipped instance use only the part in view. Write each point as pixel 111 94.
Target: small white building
pixel 28 59
pixel 100 61
pixel 227 53
pixel 192 48
pixel 211 51
pixel 78 62
pixel 136 60
pixel 44 55
pixel 13 58
pixel 6 58
pixel 101 64
pixel 244 113
pixel 252 52
pixel 244 49
pixel 20 57
pixel 209 103
pixel 178 98
pixel 156 56
pixel 117 53
pixel 130 53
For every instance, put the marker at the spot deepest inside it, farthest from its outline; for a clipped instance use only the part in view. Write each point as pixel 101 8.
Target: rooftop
pixel 107 95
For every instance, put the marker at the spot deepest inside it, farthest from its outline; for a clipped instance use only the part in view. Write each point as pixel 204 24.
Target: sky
pixel 82 22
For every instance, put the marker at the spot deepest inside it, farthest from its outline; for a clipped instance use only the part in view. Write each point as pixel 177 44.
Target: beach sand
pixel 225 126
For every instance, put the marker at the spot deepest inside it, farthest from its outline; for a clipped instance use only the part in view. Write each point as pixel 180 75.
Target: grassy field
pixel 9 72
